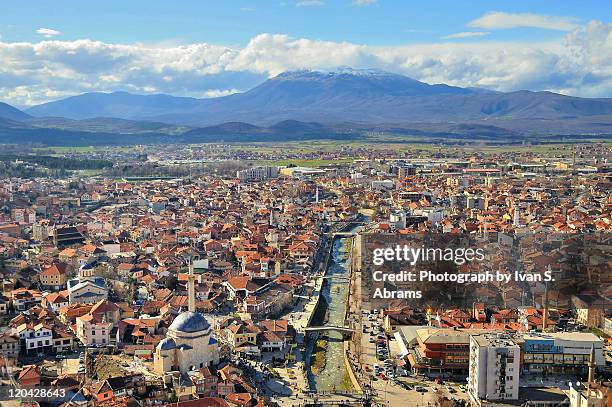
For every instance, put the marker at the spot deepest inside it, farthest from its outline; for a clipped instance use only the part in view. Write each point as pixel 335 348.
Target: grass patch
pixel 64 150
pixel 346 384
pixel 318 358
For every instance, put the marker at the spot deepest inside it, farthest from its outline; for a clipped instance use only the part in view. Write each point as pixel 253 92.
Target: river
pixel 335 291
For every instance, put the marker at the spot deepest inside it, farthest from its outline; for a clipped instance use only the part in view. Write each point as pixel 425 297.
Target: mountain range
pixel 339 103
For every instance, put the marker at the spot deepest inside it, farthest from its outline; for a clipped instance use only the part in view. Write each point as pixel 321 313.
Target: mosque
pixel 189 343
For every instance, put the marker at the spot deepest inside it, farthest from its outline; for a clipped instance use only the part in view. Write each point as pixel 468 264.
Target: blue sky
pixel 383 22
pixel 211 48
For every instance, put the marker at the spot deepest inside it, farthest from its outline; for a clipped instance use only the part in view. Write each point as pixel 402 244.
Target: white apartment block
pixel 36 339
pixel 494 367
pixel 257 173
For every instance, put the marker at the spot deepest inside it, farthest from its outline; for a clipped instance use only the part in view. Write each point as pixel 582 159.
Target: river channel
pixel 334 291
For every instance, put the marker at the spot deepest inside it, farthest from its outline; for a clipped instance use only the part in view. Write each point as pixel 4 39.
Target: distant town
pixel 195 275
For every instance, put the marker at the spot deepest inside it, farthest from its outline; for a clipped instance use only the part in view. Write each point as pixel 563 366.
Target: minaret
pixel 191 288
pixel 517 215
pixel 592 365
pixel 317 195
pixel 545 305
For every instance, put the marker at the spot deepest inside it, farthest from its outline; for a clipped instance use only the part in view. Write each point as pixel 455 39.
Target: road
pixel 388 393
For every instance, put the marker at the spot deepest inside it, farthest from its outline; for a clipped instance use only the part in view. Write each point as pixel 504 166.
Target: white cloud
pixel 578 63
pixel 496 20
pixel 215 93
pixel 309 3
pixel 466 34
pixel 364 2
pixel 247 9
pixel 48 32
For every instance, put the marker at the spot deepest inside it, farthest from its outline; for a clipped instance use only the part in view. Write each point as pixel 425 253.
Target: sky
pixel 53 49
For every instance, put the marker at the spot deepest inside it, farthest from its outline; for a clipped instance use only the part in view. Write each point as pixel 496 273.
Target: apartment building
pixel 257 173
pixel 494 367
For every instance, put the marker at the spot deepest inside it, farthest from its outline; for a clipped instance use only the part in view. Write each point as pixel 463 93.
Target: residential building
pixel 54 277
pixel 257 173
pixel 93 329
pixel 9 345
pixel 494 367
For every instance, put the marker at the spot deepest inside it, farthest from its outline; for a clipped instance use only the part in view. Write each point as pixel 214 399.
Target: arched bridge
pixel 343 329
pixel 338 278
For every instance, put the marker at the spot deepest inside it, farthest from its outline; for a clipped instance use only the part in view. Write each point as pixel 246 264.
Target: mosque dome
pixel 189 322
pixel 166 344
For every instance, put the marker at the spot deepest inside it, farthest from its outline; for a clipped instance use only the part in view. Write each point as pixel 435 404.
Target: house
pixel 108 310
pixel 24 299
pixel 29 376
pixel 270 342
pixel 63 341
pixel 9 345
pixel 128 385
pixel 137 330
pixel 55 301
pixel 242 336
pixel 102 392
pixel 205 381
pixel 35 338
pixel 54 277
pixel 93 329
pixel 3 305
pixel 243 286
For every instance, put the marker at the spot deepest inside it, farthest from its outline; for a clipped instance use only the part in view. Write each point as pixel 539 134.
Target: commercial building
pixel 561 352
pixel 402 169
pixel 441 351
